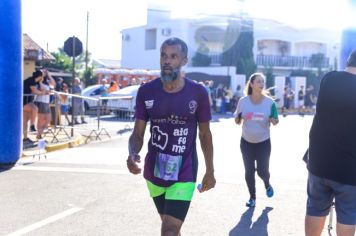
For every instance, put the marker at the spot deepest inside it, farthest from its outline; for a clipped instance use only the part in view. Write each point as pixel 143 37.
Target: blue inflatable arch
pixel 10 81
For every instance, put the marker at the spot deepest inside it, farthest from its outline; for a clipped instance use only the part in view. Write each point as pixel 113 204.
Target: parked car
pixel 126 99
pixel 93 92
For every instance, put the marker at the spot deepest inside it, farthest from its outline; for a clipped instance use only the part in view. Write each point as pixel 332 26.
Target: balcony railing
pixel 288 61
pixel 280 61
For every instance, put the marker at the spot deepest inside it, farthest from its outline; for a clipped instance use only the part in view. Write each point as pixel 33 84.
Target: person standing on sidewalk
pixel 175 107
pixel 301 96
pixel 78 103
pixel 332 153
pixel 42 101
pixel 257 110
pixel 65 102
pixel 30 89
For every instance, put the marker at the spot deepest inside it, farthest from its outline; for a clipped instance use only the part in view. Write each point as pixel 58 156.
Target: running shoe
pixel 251 203
pixel 32 128
pixel 27 141
pixel 269 191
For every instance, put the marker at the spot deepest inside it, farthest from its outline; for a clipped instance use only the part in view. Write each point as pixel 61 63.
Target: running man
pixel 175 106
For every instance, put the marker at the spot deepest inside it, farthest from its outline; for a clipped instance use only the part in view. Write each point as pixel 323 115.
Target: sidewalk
pixel 61 137
pixel 55 139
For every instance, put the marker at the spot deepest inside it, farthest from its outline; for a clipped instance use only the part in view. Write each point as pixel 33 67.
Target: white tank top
pixel 43 98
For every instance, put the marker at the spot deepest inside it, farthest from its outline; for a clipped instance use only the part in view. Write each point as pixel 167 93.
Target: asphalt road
pixel 88 191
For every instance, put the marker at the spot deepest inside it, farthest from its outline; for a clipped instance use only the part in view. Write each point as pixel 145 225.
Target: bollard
pixel 11 81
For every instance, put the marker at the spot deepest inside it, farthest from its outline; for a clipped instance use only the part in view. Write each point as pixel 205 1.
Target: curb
pixel 76 141
pixel 79 140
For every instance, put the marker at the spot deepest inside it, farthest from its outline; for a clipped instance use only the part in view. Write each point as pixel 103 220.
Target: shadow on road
pixel 247 228
pixel 6 167
pixel 124 130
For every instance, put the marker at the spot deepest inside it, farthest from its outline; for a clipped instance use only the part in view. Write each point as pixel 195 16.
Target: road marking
pixel 46 221
pixel 70 169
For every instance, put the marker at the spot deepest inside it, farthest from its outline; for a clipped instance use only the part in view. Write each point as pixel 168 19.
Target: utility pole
pixel 73 78
pixel 86 49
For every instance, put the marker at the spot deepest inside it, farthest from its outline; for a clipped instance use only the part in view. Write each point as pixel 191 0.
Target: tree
pixel 268 71
pixel 88 76
pixel 64 63
pixel 240 54
pixel 201 57
pixel 229 57
pixel 317 60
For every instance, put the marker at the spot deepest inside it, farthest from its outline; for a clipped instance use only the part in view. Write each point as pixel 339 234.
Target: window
pixel 151 39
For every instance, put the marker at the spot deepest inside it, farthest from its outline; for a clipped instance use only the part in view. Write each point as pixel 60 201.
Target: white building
pixel 283 47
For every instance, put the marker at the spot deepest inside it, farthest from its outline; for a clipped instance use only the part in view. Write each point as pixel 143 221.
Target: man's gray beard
pixel 170 77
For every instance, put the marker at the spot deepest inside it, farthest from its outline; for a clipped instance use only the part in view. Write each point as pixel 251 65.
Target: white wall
pixel 134 54
pixel 238 80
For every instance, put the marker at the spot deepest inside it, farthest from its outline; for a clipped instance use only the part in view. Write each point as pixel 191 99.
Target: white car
pixel 123 99
pixel 93 92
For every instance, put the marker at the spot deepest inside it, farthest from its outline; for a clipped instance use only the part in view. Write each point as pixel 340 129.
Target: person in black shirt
pixel 30 88
pixel 301 100
pixel 332 153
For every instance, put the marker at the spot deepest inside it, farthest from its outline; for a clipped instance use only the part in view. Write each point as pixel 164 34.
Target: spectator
pixel 291 96
pixel 30 88
pixel 286 101
pixel 104 94
pixel 237 95
pixel 65 102
pixel 113 87
pixel 220 99
pixel 42 102
pixel 133 81
pixel 59 84
pixel 309 97
pixel 301 100
pixel 228 98
pixel 78 103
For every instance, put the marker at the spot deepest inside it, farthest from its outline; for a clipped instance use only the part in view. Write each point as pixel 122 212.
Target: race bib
pixel 167 167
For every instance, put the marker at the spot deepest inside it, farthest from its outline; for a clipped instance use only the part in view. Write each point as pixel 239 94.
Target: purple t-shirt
pixel 174 117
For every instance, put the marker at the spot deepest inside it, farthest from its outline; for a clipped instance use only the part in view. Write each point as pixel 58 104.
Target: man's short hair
pixel 351 61
pixel 176 41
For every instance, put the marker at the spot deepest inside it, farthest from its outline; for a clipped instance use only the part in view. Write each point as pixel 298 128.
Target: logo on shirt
pixel 149 104
pixel 193 105
pixel 254 116
pixel 159 139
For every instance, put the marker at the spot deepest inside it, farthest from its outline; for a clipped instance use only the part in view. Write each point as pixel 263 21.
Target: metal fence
pixel 91 117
